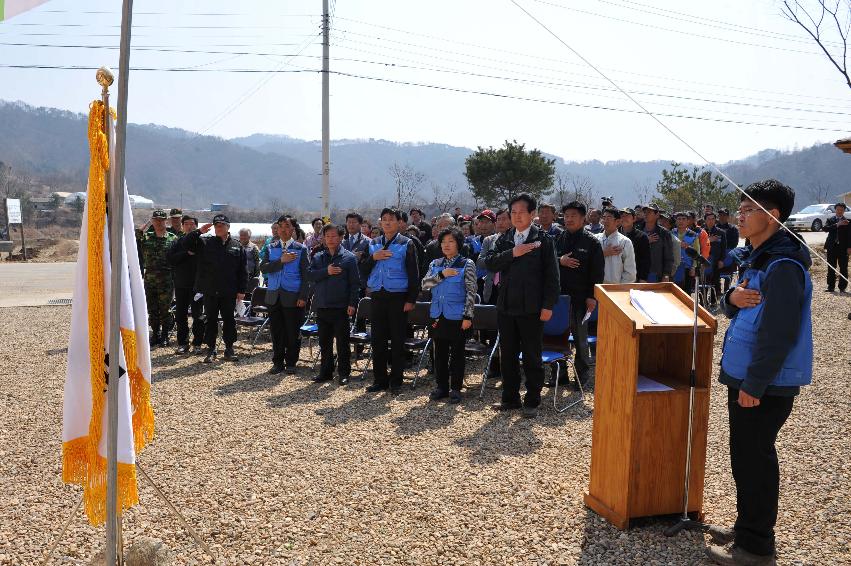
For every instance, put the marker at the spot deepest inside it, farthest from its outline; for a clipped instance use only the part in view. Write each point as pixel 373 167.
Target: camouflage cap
pixel 221 219
pixel 175 213
pixel 159 213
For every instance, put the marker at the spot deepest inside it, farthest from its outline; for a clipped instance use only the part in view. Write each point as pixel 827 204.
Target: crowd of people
pixel 520 259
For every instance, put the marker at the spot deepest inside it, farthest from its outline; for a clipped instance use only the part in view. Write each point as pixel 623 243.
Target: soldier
pixel 159 287
pixel 175 217
pixel 184 267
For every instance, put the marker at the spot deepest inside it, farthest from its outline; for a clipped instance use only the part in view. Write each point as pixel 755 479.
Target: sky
pixel 723 74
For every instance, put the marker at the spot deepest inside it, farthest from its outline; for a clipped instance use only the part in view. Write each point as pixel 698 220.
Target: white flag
pixel 85 401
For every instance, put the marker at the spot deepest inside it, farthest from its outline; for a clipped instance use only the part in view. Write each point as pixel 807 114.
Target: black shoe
pixel 376 387
pixel 721 535
pixel 530 412
pixel 343 380
pixel 197 349
pixel 211 355
pixel 153 341
pixel 508 406
pixel 321 379
pixel 182 349
pixel 454 397
pixel 290 371
pixel 276 369
pixel 828 290
pixel 230 356
pixel 164 340
pixel 395 389
pixel 438 393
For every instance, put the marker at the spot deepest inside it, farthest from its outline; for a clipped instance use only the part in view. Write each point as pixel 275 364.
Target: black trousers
pixel 389 322
pixel 449 360
pixel 524 333
pixel 216 306
pixel 582 361
pixel 285 328
pixel 334 325
pixel 756 470
pixel 837 258
pixel 183 304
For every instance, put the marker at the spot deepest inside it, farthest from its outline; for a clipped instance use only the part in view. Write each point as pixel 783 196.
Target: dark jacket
pixel 661 252
pixel 411 268
pixel 221 265
pixel 837 236
pixel 732 233
pixel 717 250
pixel 527 283
pixel 334 291
pixel 783 296
pixel 641 246
pixel 582 245
pixel 358 245
pixel 184 265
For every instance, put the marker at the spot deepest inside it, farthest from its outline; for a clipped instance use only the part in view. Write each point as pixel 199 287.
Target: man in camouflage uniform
pixel 159 286
pixel 175 218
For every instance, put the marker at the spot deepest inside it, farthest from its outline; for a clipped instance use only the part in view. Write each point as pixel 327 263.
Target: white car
pixel 812 217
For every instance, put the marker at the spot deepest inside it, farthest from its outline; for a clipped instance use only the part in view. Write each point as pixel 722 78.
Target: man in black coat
pixel 529 289
pixel 581 266
pixel 221 278
pixel 640 244
pixel 717 250
pixel 184 270
pixel 838 248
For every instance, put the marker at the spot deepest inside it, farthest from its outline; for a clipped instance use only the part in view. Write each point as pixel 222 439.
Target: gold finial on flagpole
pixel 105 78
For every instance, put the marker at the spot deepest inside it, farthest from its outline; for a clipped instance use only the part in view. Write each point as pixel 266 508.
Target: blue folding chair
pixel 557 348
pixel 310 330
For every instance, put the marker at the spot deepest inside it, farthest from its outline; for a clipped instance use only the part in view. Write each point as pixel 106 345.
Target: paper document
pixel 657 307
pixel 647 384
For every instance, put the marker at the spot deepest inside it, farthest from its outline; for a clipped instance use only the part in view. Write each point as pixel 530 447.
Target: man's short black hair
pixel 842 204
pixel 338 229
pixel 616 213
pixel 575 205
pixel 771 193
pixel 404 216
pixel 547 205
pixel 186 217
pixel 708 214
pixel 312 222
pixel 355 215
pixel 531 203
pixel 288 218
pixel 455 233
pixel 502 211
pixel 393 211
pixel 417 210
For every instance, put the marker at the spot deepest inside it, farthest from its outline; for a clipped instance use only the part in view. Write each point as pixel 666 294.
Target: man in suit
pixel 838 246
pixel 393 284
pixel 529 288
pixel 286 295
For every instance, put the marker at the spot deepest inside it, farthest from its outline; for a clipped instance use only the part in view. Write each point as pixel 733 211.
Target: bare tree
pixel 582 189
pixel 407 183
pixel 823 19
pixel 445 199
pixel 275 207
pixel 820 191
pixel 561 189
pixel 645 192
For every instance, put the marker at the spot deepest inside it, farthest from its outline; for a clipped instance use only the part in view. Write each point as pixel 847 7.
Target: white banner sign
pixel 13 211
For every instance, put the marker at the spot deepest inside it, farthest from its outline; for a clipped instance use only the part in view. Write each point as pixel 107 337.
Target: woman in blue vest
pixel 767 358
pixel 452 282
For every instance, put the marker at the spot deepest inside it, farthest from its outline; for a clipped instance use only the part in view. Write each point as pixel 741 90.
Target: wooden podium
pixel 638 448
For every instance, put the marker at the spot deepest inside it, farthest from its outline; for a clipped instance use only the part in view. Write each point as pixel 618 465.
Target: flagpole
pixel 115 189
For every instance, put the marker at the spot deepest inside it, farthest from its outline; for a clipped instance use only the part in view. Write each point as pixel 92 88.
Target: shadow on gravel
pixel 424 417
pixel 362 408
pixel 310 393
pixel 260 382
pixel 162 372
pixel 503 435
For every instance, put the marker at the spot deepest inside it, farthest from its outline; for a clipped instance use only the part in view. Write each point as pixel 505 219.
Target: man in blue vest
pixel 767 358
pixel 393 283
pixel 286 294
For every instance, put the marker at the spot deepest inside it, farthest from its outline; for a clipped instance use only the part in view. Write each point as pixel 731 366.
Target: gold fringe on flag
pixel 140 394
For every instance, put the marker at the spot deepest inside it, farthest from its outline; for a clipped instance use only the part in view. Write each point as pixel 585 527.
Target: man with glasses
pixel 767 358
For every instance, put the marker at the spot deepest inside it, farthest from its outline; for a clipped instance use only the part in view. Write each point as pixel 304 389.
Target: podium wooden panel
pixel 638 445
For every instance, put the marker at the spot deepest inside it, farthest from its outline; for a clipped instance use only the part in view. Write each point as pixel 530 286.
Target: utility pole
pixel 326 129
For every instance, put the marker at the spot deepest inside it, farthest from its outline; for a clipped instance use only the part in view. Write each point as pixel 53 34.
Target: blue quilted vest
pixel 449 296
pixel 741 336
pixel 689 239
pixel 289 277
pixel 389 274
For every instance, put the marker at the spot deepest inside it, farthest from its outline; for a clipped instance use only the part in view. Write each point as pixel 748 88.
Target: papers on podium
pixel 657 307
pixel 647 384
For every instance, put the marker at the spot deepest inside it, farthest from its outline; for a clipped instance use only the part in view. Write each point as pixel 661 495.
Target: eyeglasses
pixel 747 211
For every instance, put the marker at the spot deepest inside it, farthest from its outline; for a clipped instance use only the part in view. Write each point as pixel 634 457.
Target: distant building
pixel 72 198
pixel 138 201
pixel 43 203
pixel 219 207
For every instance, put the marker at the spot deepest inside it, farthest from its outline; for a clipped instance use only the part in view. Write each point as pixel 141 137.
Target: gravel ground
pixel 278 470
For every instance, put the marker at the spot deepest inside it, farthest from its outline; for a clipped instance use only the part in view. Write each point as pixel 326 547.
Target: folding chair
pixel 364 339
pixel 558 350
pixel 484 318
pixel 420 319
pixel 252 318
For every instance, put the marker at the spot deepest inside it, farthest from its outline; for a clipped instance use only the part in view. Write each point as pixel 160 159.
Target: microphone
pixel 695 255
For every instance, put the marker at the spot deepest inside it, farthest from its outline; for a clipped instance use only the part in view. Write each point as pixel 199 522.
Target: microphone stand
pixel 685 523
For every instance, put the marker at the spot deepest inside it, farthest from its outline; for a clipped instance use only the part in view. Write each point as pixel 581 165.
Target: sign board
pixel 13 211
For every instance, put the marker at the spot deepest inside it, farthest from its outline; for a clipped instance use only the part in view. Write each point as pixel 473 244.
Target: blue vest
pixel 289 277
pixel 449 296
pixel 685 260
pixel 740 339
pixel 389 274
